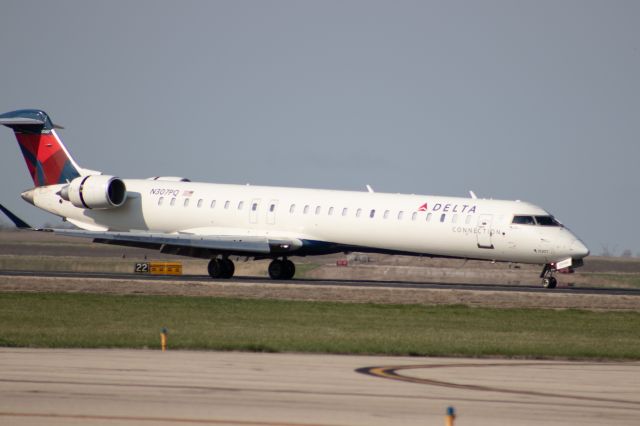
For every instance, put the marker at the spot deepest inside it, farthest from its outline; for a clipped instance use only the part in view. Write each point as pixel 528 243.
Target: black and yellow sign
pixel 158 268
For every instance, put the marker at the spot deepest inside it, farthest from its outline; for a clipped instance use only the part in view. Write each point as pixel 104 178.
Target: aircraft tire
pixel 277 269
pixel 221 268
pixel 549 282
pixel 290 269
pixel 215 268
pixel 228 268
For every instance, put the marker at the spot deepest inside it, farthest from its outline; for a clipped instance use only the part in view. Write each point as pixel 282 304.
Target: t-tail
pixel 48 160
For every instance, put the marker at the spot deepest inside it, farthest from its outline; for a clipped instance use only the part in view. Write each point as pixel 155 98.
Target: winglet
pixel 20 224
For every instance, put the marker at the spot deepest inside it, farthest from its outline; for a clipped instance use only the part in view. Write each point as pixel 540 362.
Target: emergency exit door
pixel 271 212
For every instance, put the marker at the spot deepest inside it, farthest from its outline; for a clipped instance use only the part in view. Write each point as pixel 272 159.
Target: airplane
pixel 216 221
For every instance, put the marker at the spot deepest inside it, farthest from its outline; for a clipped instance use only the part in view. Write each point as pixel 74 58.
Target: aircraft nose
pixel 578 250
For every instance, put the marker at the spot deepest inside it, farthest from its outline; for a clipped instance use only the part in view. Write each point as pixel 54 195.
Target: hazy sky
pixel 535 100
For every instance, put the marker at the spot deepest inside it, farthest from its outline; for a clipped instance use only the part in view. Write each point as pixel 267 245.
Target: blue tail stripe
pixel 28 155
pixel 69 173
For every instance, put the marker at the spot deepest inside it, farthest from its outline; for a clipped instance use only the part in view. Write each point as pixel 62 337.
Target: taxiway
pixel 311 282
pixel 139 387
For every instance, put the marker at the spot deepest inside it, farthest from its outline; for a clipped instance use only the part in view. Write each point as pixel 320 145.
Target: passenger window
pixel 186 202
pixel 386 214
pixel 330 211
pixel 454 218
pixel 523 220
pixel 240 205
pixel 345 211
pixel 429 217
pixel 272 207
pixel 443 217
pixel 160 200
pixel 213 203
pixel 468 219
pixel 226 204
pixel 400 214
pixel 292 208
pixel 414 216
pixel 254 207
pixel 358 212
pixel 318 209
pixel 200 203
pixel 372 213
pixel 306 209
pixel 173 201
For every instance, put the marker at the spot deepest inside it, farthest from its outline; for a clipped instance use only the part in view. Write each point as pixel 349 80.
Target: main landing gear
pixel 548 280
pixel 279 269
pixel 282 269
pixel 221 268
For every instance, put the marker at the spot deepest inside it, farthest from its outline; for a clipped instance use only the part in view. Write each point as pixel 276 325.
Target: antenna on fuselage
pixel 370 189
pixel 473 194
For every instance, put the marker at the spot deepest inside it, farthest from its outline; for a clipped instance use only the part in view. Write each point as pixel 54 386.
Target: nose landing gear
pixel 282 269
pixel 548 280
pixel 221 268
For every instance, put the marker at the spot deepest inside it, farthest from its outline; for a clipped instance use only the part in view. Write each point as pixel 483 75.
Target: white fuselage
pixel 395 223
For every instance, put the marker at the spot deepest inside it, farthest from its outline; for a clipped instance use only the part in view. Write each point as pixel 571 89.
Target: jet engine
pixel 95 192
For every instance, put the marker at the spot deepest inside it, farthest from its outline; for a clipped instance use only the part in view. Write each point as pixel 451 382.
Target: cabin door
pixel 484 231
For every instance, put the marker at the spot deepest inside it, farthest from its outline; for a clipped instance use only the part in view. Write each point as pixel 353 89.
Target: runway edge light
pixel 451 415
pixel 163 338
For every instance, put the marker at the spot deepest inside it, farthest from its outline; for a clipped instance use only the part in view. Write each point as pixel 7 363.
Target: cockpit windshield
pixel 535 220
pixel 547 221
pixel 523 220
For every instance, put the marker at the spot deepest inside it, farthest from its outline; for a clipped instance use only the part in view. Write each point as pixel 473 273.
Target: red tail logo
pixel 47 160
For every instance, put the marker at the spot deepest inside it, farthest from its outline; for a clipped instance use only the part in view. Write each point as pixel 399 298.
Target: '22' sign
pixel 141 268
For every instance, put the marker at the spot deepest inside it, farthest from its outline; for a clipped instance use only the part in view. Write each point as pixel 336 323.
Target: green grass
pixel 628 279
pixel 90 321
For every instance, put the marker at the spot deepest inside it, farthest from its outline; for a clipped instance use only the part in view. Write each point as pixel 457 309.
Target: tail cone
pixel 28 196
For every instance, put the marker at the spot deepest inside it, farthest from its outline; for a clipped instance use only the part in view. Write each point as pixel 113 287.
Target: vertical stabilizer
pixel 48 160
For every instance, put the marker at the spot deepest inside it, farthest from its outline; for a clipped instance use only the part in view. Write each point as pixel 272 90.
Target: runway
pixel 340 283
pixel 140 387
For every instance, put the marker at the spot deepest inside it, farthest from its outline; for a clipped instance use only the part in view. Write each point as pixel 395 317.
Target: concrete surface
pixel 482 295
pixel 44 251
pixel 133 387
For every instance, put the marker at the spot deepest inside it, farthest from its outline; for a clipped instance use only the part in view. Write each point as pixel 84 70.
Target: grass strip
pixel 628 279
pixel 107 321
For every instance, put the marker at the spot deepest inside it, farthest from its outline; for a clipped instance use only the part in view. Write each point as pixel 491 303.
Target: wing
pixel 185 244
pixel 193 245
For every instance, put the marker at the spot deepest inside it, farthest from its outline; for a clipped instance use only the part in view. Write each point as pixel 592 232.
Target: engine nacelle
pixel 95 192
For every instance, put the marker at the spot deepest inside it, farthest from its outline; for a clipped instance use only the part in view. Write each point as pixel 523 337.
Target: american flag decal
pixel 187 193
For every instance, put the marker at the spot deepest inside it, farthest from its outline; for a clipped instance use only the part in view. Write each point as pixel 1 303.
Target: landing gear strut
pixel 548 280
pixel 282 269
pixel 221 268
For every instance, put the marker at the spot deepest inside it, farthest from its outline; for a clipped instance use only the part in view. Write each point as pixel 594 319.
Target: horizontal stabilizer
pixel 21 224
pixel 25 119
pixel 21 121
